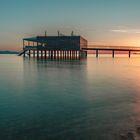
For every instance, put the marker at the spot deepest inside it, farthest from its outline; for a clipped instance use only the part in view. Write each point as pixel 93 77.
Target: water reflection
pixel 75 99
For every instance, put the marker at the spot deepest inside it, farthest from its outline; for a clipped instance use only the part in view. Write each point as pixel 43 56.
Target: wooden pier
pixel 113 50
pixel 64 47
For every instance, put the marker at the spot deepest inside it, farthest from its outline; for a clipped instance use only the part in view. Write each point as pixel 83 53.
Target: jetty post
pixel 129 54
pixel 113 53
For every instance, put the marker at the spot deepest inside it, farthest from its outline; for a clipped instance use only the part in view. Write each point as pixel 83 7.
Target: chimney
pixel 58 33
pixel 45 33
pixel 72 33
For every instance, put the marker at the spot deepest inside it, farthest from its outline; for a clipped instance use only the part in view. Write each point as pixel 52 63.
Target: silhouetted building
pixel 54 46
pixel 55 43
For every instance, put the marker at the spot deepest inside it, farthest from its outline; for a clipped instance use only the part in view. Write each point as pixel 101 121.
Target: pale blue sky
pixel 108 22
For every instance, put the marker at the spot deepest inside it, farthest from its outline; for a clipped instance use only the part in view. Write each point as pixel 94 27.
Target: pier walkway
pixel 113 50
pixel 57 46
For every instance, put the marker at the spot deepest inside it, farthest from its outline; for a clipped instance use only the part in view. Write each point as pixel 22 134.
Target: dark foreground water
pixel 93 99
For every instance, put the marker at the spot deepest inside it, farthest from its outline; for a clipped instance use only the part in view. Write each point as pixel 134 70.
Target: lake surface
pixel 89 99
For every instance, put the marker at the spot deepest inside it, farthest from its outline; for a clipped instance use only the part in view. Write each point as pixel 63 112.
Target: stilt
pixel 60 54
pixel 57 54
pixel 54 54
pixel 24 53
pixel 41 53
pixel 86 53
pixel 129 54
pixel 29 53
pixel 70 54
pixel 51 54
pixel 74 54
pixel 113 53
pixel 37 53
pixel 45 53
pixel 64 54
pixel 97 53
pixel 78 53
pixel 34 53
pixel 67 54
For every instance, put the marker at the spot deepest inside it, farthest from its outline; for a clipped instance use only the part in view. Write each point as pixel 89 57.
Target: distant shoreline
pixel 8 52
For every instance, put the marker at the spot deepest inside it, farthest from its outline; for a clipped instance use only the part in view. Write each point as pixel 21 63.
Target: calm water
pixel 93 99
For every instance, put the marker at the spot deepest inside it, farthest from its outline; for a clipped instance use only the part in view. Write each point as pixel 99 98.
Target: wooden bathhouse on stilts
pixel 54 46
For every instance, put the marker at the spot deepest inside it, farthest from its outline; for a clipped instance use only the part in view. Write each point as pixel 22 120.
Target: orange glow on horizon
pixel 130 42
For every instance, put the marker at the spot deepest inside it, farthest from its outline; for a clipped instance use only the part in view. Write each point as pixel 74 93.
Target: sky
pixel 101 22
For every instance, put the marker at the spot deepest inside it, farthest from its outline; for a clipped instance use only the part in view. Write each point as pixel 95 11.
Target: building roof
pixel 46 38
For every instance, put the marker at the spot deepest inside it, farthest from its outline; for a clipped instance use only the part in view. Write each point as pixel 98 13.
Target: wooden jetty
pixel 113 50
pixel 64 47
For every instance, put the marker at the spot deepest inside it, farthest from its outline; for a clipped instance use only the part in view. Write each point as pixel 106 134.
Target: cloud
pixel 130 31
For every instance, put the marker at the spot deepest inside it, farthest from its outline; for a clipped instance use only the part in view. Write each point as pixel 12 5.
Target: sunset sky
pixel 103 22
